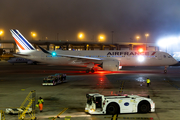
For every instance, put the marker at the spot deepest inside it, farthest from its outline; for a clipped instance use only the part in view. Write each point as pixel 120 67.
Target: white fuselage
pixel 18 60
pixel 125 57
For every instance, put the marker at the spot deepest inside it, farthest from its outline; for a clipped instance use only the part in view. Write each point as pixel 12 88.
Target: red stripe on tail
pixel 19 44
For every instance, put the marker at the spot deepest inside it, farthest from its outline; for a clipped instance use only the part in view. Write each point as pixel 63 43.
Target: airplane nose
pixel 174 61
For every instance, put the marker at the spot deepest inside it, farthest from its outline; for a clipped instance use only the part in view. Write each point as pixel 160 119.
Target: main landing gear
pixel 90 70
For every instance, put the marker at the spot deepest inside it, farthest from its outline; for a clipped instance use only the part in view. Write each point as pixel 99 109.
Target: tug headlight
pixel 92 110
pixel 86 110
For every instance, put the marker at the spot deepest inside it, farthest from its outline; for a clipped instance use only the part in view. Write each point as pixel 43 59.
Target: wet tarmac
pixel 16 81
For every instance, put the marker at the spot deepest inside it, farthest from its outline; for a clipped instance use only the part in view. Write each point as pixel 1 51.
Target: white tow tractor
pixel 100 104
pixel 54 79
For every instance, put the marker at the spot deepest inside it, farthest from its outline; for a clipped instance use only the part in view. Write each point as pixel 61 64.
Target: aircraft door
pixel 43 56
pixel 159 56
pixel 128 57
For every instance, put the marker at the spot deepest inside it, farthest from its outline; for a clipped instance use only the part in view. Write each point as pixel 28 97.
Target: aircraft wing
pixel 71 56
pixel 80 57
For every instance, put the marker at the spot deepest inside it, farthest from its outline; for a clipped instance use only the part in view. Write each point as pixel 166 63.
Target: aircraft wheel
pixel 87 71
pixel 165 71
pixel 92 71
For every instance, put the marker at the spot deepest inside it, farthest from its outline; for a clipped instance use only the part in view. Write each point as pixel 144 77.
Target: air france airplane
pixel 110 60
pixel 21 60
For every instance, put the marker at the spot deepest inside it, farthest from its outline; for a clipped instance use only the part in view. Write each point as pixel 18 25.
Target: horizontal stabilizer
pixel 17 54
pixel 44 50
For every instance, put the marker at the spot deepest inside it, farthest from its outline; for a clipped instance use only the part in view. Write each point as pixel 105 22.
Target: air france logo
pixel 126 104
pixel 129 53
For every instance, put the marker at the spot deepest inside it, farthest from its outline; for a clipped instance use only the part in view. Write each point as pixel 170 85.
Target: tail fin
pixel 21 41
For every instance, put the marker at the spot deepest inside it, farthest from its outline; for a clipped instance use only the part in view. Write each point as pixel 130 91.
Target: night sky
pixel 65 18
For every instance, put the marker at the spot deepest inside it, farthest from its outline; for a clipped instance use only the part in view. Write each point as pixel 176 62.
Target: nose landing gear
pixel 87 71
pixel 165 69
pixel 90 70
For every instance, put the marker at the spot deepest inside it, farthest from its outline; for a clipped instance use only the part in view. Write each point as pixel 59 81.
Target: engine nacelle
pixel 112 65
pixel 31 62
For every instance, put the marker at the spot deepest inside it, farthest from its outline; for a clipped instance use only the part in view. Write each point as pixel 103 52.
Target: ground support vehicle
pixel 54 79
pixel 6 56
pixel 17 110
pixel 2 116
pixel 100 104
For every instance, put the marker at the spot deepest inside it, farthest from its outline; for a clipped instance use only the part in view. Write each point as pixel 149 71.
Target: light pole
pixel 33 34
pixel 57 36
pixel 112 36
pixel 1 33
pixel 137 38
pixel 80 36
pixel 147 35
pixel 101 37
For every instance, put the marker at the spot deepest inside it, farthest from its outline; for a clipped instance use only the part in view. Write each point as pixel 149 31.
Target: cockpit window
pixel 169 56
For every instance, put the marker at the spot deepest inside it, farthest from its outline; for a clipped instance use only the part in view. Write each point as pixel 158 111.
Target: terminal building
pixel 9 46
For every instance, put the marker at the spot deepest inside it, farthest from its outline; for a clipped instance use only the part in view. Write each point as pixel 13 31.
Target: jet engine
pixel 112 65
pixel 31 62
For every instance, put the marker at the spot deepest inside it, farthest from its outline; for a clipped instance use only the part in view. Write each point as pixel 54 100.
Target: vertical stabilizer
pixel 22 43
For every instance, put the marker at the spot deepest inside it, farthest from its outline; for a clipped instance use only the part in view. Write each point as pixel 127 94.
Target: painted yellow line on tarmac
pixel 141 118
pixel 115 117
pixel 54 118
pixel 22 89
pixel 63 116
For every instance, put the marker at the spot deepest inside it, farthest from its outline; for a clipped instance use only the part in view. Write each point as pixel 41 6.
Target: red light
pixel 104 102
pixel 102 72
pixel 101 79
pixel 140 50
